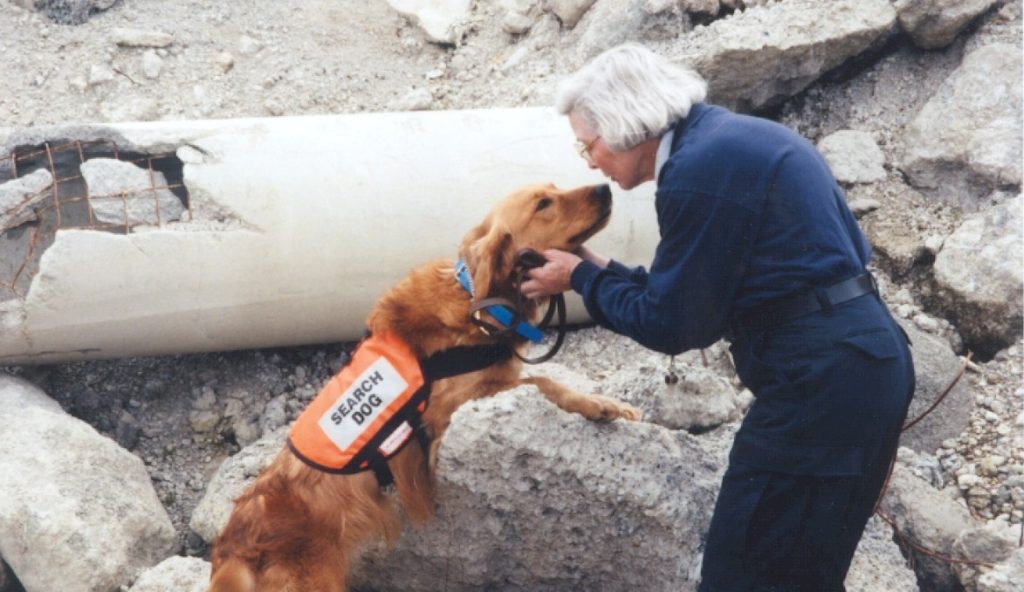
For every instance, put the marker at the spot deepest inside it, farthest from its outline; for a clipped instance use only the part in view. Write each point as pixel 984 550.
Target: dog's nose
pixel 603 193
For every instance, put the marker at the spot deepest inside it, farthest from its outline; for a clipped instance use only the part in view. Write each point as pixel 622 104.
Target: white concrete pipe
pixel 293 226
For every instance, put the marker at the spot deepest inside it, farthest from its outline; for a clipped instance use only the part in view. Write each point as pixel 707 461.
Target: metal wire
pixel 70 204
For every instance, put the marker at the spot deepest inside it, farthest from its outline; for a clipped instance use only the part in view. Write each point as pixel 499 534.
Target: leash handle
pixel 557 303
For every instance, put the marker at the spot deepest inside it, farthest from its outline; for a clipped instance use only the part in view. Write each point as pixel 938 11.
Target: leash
pixel 510 313
pixel 902 538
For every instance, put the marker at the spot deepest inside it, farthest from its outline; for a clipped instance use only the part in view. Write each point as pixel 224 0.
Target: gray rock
pixel 175 574
pixel 230 480
pixel 69 12
pixel 936 23
pixel 417 99
pixel 704 7
pixel 978 278
pixel 132 108
pixel 519 15
pixel 963 144
pixel 935 366
pixel 569 11
pixel 699 401
pixel 878 565
pixel 900 247
pixel 73 499
pixel 853 156
pixel 531 497
pixel 991 543
pixel 862 206
pixel 758 57
pixel 100 73
pixel 140 38
pixel 152 64
pixel 608 24
pixel 18 196
pixel 441 20
pixel 1004 577
pixel 122 193
pixel 929 518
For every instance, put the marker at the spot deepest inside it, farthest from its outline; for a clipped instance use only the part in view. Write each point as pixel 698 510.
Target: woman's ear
pixel 490 255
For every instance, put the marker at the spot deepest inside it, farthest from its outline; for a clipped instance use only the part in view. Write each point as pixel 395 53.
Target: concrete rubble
pixel 526 510
pixel 935 367
pixel 978 280
pixel 936 23
pixel 964 144
pixel 759 57
pixel 853 156
pixel 87 505
pixel 253 233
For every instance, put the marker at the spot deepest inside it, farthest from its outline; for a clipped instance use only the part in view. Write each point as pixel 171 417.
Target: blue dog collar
pixel 500 313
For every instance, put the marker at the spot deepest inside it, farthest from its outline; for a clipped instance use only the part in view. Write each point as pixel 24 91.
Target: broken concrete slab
pixel 756 58
pixel 18 197
pixel 73 500
pixel 123 193
pixel 935 23
pixel 177 574
pixel 853 156
pixel 978 277
pixel 527 512
pixel 439 19
pixel 295 226
pixel 963 144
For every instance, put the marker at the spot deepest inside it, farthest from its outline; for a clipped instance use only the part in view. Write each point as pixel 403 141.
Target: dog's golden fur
pixel 296 528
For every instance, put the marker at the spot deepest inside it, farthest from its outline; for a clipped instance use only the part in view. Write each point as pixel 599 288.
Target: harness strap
pixel 381 470
pixel 446 363
pixel 464 359
pixel 503 310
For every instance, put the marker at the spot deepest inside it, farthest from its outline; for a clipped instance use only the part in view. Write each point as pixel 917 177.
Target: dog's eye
pixel 544 202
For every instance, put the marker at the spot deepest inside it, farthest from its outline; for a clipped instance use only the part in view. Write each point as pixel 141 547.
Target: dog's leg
pixel 593 407
pixel 233 576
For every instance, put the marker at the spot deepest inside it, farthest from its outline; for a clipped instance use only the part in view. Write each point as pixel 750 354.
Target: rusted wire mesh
pixel 30 224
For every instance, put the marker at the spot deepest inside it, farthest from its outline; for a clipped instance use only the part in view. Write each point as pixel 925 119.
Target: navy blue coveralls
pixel 750 216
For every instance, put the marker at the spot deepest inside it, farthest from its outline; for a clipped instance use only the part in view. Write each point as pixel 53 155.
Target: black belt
pixel 779 312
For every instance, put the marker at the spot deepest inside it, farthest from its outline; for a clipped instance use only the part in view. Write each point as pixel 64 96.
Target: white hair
pixel 629 94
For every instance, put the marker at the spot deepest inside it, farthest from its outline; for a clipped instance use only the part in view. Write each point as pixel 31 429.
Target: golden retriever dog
pixel 296 528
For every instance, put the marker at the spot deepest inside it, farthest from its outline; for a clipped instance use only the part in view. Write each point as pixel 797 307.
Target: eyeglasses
pixel 583 148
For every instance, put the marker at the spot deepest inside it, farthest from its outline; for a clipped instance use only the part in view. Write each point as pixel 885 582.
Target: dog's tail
pixel 233 576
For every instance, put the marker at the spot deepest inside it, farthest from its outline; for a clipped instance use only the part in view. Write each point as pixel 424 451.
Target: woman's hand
pixel 595 258
pixel 553 277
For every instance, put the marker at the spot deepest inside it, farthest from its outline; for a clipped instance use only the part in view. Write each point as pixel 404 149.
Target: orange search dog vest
pixel 369 410
pixel 375 399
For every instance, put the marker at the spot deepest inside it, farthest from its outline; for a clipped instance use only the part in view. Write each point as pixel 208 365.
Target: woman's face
pixel 627 168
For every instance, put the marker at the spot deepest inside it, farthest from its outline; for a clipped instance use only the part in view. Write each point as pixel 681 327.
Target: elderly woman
pixel 757 246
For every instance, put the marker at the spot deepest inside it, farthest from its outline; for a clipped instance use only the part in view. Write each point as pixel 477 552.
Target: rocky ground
pixel 183 415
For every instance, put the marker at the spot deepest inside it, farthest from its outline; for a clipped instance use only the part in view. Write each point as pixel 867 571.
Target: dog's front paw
pixel 600 408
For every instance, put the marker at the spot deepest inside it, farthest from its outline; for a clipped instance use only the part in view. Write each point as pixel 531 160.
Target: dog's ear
pixel 490 254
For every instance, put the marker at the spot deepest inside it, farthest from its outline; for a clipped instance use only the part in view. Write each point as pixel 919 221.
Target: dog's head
pixel 537 217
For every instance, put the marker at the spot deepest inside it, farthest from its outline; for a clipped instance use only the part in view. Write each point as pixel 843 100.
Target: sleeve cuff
pixel 584 273
pixel 620 269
